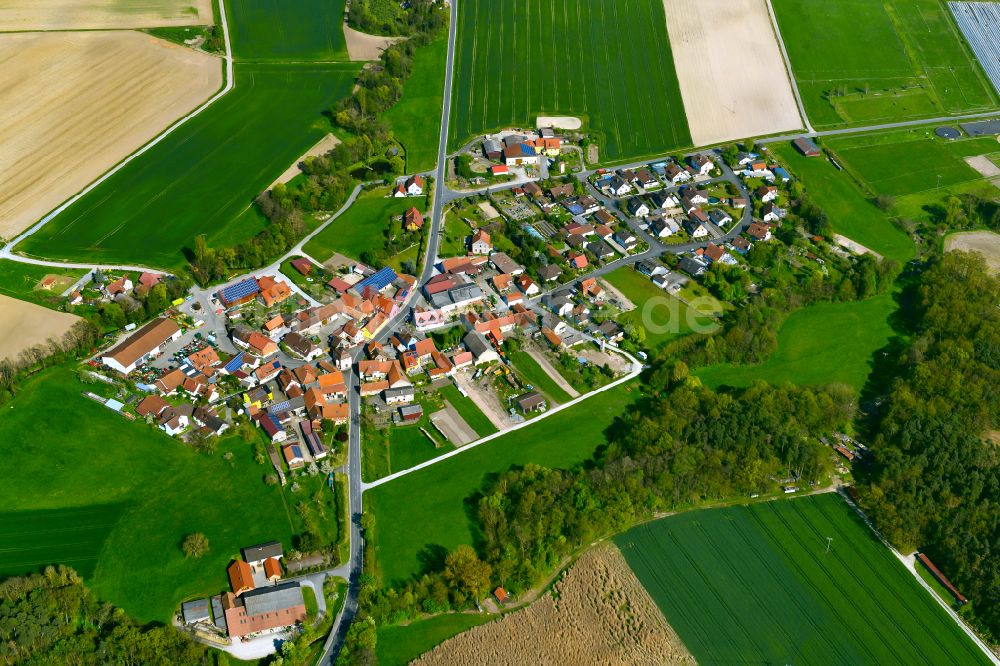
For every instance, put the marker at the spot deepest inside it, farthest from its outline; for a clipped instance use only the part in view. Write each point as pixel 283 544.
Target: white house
pixel 141 345
pixel 481 243
pixel 619 187
pixel 415 186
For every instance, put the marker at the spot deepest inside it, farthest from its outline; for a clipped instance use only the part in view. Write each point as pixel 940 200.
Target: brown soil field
pixel 18 15
pixel 600 614
pixel 23 325
pixel 74 104
pixel 732 77
pixel 362 46
pixel 323 146
pixel 985 243
pixel 454 427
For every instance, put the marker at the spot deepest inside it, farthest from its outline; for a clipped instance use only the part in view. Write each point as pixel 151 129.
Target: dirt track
pixel 16 15
pixel 90 100
pixel 985 243
pixel 323 146
pixel 602 616
pixel 23 325
pixel 732 77
pixel 454 427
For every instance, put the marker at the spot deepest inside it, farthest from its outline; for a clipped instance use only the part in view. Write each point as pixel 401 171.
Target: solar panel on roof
pixel 379 280
pixel 234 364
pixel 240 290
pixel 279 407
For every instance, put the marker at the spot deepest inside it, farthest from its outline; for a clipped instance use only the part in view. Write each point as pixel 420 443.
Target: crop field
pixel 24 325
pixel 905 59
pixel 420 513
pixel 818 344
pixel 126 494
pixel 607 62
pixel 120 89
pixel 300 31
pixel 18 15
pixel 415 118
pixel 755 584
pixel 851 213
pixel 203 176
pixel 362 227
pixel 909 162
pixel 402 643
pixel 598 613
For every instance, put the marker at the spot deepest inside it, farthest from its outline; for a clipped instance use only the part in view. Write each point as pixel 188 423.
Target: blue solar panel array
pixel 234 364
pixel 279 407
pixel 235 292
pixel 379 280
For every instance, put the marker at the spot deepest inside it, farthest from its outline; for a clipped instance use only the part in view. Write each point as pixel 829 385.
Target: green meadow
pixel 607 62
pixel 801 581
pixel 115 499
pixel 361 227
pixel 851 213
pixel 868 62
pixel 416 118
pixel 818 344
pixel 418 514
pixel 300 31
pixel 18 280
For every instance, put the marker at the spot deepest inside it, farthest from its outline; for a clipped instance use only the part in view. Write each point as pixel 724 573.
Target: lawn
pixel 533 374
pixel 416 117
pixel 905 59
pixel 902 163
pixel 665 317
pixel 421 513
pixel 18 280
pixel 401 644
pixel 818 344
pixel 362 227
pixel 607 62
pixel 800 581
pixel 275 31
pixel 851 213
pixel 117 498
pixel 468 410
pixel 204 176
pixel 395 448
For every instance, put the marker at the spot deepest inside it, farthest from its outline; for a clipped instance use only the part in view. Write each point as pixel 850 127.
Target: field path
pixel 556 376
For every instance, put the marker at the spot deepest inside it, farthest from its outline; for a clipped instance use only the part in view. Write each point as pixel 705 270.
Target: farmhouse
pixel 264 609
pixel 239 293
pixel 141 345
pixel 806 146
pixel 520 153
pixel 413 220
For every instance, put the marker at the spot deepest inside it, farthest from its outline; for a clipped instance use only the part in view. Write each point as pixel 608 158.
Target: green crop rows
pixel 277 30
pixel 607 62
pixel 866 62
pixel 755 584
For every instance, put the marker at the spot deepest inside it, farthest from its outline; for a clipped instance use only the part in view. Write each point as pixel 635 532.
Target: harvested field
pixel 323 146
pixel 854 246
pixel 729 91
pixel 602 615
pixel 560 122
pixel 23 325
pixel 454 427
pixel 91 99
pixel 19 15
pixel 986 243
pixel 983 165
pixel 362 46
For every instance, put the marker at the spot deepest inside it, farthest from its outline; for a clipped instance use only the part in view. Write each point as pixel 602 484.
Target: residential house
pixel 549 272
pixel 692 266
pixel 701 164
pixel 240 577
pixel 600 249
pixel 603 216
pixel 772 213
pixel 637 207
pixel 625 238
pixel 302 265
pixel 663 227
pixel 766 193
pixel 301 346
pixel 676 175
pixel 481 243
pixel 413 220
pixel 719 217
pixel 577 260
pixel 759 232
pixel 482 351
pixel 618 186
pixel 527 285
pixel 271 291
pixel 415 186
pixel 714 253
pixel 118 287
pixel 560 192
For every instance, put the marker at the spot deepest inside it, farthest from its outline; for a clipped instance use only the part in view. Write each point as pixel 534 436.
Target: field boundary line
pixel 788 65
pixel 635 372
pixel 905 561
pixel 7 252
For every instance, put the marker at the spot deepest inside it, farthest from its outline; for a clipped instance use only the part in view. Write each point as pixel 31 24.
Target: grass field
pixel 908 56
pixel 537 377
pixel 754 584
pixel 415 118
pixel 117 498
pixel 362 226
pixel 201 178
pixel 851 213
pixel 420 513
pixel 819 344
pixel 902 163
pixel 401 644
pixel 18 280
pixel 468 410
pixel 607 62
pixel 665 311
pixel 272 30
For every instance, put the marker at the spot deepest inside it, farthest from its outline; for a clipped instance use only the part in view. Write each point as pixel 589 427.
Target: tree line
pixel 934 483
pixel 52 618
